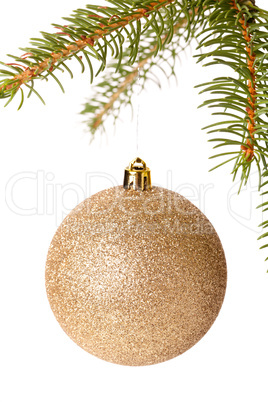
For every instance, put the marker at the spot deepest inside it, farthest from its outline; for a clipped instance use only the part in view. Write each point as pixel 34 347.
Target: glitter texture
pixel 136 277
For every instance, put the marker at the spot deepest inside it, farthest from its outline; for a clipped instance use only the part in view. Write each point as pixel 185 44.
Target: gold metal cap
pixel 137 176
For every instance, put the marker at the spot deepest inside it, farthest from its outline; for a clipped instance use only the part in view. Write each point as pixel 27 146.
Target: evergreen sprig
pixel 143 36
pixel 111 95
pixel 236 35
pixel 92 33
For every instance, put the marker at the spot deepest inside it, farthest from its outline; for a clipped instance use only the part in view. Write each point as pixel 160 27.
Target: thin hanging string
pixel 138 106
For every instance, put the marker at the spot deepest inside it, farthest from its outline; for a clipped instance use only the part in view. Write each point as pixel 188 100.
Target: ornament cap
pixel 137 176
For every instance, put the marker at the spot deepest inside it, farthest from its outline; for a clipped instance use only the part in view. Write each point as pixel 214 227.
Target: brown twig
pixel 248 149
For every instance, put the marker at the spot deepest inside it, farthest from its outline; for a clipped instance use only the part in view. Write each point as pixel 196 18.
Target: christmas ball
pixel 136 277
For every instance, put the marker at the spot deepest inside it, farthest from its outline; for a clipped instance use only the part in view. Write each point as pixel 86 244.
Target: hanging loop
pixel 137 176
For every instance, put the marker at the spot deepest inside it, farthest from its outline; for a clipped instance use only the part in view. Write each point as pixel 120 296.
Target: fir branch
pixel 103 103
pixel 86 31
pixel 245 22
pixel 233 44
pixel 237 33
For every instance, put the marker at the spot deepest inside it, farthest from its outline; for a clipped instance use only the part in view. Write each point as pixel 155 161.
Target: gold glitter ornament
pixel 136 277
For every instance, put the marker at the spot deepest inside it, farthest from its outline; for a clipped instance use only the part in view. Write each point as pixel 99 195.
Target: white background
pixel 48 166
